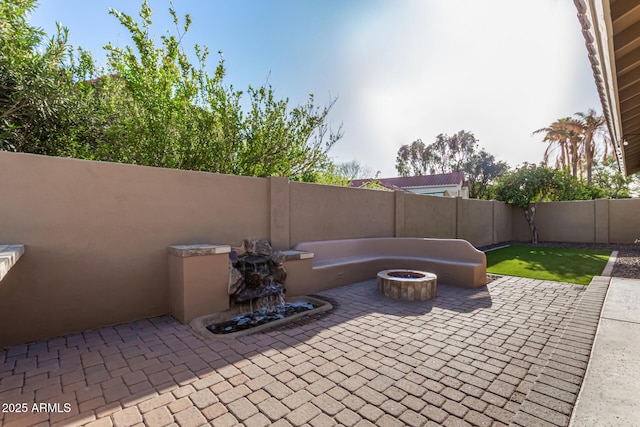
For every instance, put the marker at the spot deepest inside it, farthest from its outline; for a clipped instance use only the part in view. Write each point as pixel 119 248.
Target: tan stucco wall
pixel 324 212
pixel 566 221
pixel 96 234
pixel 519 226
pixel 198 285
pixel 429 216
pixel 589 221
pixel 502 222
pixel 96 237
pixel 475 221
pixel 624 220
pixel 602 221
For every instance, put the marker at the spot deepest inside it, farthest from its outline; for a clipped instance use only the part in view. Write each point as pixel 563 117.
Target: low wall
pixel 324 212
pixel 503 222
pixel 624 220
pixel 96 237
pixel 582 221
pixel 475 221
pixel 429 216
pixel 566 221
pixel 96 234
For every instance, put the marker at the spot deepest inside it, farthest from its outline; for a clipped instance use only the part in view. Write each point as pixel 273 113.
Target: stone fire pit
pixel 410 285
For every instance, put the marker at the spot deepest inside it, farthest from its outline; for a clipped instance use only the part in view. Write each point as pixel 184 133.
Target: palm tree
pixel 577 139
pixel 573 130
pixel 557 137
pixel 591 125
pixel 554 137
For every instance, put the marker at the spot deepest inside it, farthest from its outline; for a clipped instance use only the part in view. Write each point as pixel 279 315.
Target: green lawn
pixel 557 264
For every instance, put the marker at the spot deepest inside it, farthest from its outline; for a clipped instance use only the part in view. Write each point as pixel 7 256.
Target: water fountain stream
pixel 256 285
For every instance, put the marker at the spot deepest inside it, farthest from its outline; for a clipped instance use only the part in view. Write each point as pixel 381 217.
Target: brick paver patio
pixel 469 357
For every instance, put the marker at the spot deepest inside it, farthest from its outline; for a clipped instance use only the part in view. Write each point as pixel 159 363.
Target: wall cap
pixel 292 255
pixel 198 249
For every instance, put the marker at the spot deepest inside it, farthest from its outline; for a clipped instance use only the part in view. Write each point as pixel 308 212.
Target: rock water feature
pixel 256 275
pixel 256 286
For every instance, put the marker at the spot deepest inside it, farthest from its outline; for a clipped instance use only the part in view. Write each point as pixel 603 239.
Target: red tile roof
pixel 452 178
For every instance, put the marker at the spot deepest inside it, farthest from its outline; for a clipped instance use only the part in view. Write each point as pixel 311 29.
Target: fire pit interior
pixel 408 285
pixel 406 274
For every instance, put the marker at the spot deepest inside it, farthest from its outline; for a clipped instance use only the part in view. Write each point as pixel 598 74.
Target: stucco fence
pixel 96 234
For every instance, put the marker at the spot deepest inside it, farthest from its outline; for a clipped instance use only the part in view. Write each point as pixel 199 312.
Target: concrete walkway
pixel 610 394
pixel 467 358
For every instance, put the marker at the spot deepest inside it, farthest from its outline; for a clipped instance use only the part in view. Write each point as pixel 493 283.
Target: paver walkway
pixel 468 357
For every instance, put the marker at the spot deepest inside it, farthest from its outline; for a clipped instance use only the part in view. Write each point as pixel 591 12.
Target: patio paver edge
pixel 551 400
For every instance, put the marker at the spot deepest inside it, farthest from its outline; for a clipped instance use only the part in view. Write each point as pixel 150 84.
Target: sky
pixel 400 69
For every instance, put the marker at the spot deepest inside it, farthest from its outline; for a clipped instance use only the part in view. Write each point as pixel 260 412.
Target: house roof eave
pixel 611 33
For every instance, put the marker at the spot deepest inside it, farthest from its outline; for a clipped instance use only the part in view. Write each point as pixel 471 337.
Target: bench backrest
pixel 454 249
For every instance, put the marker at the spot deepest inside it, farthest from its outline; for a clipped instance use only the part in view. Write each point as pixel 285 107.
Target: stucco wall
pixel 572 221
pixel 586 221
pixel 502 222
pixel 624 220
pixel 429 216
pixel 96 234
pixel 96 237
pixel 475 221
pixel 324 212
pixel 519 226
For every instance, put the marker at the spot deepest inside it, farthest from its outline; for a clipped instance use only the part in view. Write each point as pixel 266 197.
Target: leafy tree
pixel 354 170
pixel 446 154
pixel 276 141
pixel 329 175
pixel 457 153
pixel 176 115
pixel 150 106
pixel 413 159
pixel 525 187
pixel 481 171
pixel 32 80
pixel 375 184
pixel 341 174
pixel 529 185
pixel 568 187
pixel 613 184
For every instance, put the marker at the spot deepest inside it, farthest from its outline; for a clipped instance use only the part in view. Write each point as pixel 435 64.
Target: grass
pixel 557 264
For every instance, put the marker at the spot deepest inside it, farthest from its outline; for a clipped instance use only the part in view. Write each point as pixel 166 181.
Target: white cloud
pixel 500 69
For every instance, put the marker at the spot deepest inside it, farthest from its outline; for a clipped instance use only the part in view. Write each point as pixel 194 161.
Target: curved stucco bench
pixel 341 262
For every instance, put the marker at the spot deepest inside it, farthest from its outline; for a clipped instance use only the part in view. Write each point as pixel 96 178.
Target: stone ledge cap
pixel 198 249
pixel 293 255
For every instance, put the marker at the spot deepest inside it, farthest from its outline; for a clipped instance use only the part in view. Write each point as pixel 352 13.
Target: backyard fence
pixel 96 233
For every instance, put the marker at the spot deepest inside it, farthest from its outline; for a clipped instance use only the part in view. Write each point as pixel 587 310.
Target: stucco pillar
pixel 458 214
pixel 198 280
pixel 495 223
pixel 400 214
pixel 298 265
pixel 601 220
pixel 279 233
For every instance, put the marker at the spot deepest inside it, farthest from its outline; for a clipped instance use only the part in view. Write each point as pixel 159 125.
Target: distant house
pixel 447 184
